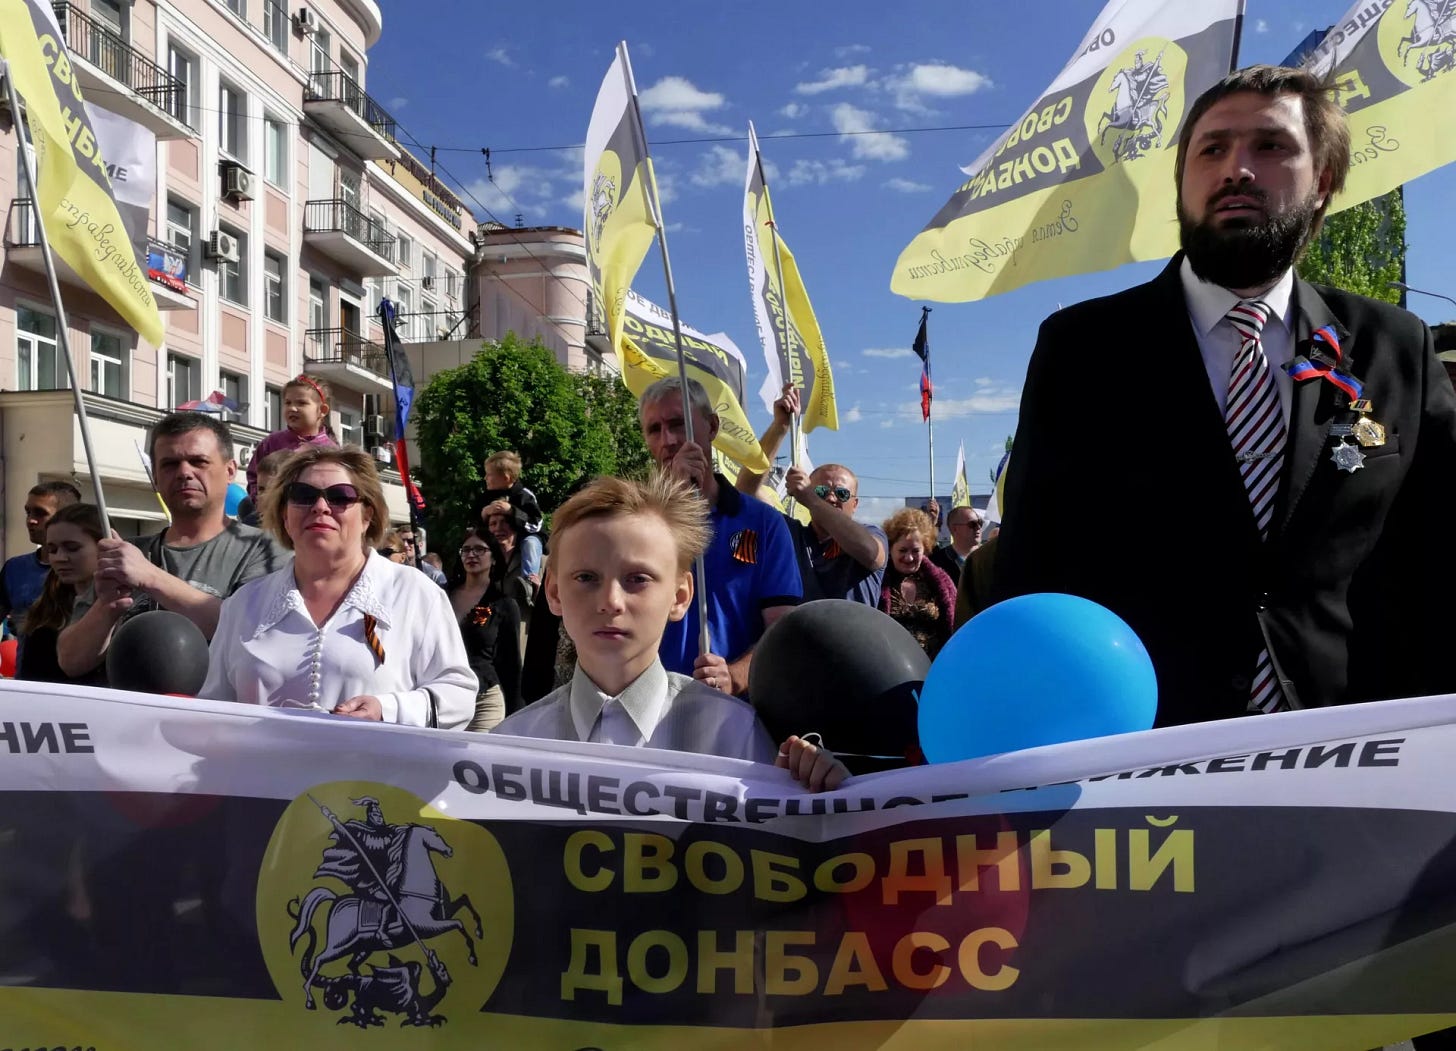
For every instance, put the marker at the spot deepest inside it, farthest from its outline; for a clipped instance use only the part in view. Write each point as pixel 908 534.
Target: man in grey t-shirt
pixel 192 565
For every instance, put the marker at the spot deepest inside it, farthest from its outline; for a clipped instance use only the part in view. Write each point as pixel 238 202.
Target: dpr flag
pixel 618 224
pixel 402 376
pixel 1084 181
pixel 793 346
pixel 922 351
pixel 1394 70
pixel 73 190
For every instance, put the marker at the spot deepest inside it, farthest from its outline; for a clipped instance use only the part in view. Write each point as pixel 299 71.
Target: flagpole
pixel 773 230
pixel 63 335
pixel 649 186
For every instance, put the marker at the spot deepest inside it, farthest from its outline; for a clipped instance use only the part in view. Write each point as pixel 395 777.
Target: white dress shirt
pixel 660 709
pixel 1218 340
pixel 267 649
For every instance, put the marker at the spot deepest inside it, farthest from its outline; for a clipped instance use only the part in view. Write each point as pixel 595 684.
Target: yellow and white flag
pixel 619 196
pixel 1394 70
pixel 648 352
pixel 960 490
pixel 998 486
pixel 1084 181
pixel 793 346
pixel 74 199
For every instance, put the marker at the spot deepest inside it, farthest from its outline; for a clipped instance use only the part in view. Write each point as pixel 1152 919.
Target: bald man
pixel 838 557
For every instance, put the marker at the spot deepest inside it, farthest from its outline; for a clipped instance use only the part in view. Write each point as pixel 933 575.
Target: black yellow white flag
pixel 960 490
pixel 1394 70
pixel 73 190
pixel 618 223
pixel 793 346
pixel 1084 181
pixel 648 352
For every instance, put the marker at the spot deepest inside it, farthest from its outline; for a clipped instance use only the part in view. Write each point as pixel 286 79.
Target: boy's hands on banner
pixel 813 766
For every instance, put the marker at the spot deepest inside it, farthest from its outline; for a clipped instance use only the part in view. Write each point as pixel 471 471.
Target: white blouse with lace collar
pixel 268 650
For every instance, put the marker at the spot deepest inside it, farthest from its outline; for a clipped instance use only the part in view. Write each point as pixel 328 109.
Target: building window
pixel 275 24
pixel 36 355
pixel 233 277
pixel 319 60
pixel 318 305
pixel 272 408
pixel 181 230
pixel 236 388
pixel 404 308
pixel 275 152
pixel 350 431
pixel 184 380
pixel 406 252
pixel 430 282
pixel 232 122
pixel 183 66
pixel 275 287
pixel 108 364
pixel 238 7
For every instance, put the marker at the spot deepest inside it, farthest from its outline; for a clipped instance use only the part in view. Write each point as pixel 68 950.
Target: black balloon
pixel 845 671
pixel 157 652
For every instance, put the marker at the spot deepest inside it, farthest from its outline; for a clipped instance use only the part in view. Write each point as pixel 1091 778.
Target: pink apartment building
pixel 285 208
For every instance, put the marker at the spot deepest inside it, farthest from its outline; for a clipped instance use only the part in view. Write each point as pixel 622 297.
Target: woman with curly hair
pixel 916 592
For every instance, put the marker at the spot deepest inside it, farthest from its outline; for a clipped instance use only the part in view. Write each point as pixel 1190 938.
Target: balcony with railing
pixel 345 357
pixel 350 238
pixel 122 78
pixel 337 102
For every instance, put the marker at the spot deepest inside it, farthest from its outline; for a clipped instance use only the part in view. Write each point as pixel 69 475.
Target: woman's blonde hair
pixel 910 521
pixel 682 509
pixel 365 478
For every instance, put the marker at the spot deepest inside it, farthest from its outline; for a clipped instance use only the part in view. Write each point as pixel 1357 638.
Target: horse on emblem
pixel 1139 108
pixel 398 897
pixel 1433 34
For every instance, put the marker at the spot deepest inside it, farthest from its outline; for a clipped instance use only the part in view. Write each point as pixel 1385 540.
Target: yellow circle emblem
pixel 1420 43
pixel 1136 104
pixel 375 904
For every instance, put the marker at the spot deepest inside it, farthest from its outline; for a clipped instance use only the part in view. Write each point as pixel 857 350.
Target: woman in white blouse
pixel 343 629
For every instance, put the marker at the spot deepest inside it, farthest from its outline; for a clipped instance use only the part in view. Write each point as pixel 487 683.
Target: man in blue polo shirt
pixel 752 575
pixel 23 576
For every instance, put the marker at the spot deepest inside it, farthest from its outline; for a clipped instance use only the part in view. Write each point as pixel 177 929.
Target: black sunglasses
pixel 823 491
pixel 390 552
pixel 340 497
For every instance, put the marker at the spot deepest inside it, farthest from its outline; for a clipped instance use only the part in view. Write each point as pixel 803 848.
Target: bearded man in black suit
pixel 1285 454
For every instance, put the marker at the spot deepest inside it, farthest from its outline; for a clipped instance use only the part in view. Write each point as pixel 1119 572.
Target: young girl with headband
pixel 306 413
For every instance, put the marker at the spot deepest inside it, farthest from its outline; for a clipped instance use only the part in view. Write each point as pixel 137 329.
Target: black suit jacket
pixel 1351 591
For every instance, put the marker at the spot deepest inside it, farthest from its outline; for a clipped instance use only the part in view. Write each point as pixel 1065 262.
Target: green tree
pixel 1361 249
pixel 514 395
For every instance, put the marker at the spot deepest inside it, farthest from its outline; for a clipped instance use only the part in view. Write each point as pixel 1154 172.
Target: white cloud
pixel 979 404
pixel 853 123
pixel 850 50
pixel 398 103
pixel 678 102
pixel 575 200
pixel 1261 26
pixel 794 110
pixel 984 381
pixel 536 192
pixel 888 352
pixel 900 185
pixel 935 80
pixel 501 55
pixel 854 415
pixel 819 173
pixel 833 79
pixel 559 82
pixel 719 166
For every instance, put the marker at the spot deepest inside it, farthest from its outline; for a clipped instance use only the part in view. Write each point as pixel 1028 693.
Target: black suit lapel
pixel 1315 403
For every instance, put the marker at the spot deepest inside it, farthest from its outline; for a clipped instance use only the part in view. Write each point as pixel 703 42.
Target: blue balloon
pixel 1035 670
pixel 236 494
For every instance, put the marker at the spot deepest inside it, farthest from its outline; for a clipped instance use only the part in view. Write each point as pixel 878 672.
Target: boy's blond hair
pixel 506 462
pixel 684 512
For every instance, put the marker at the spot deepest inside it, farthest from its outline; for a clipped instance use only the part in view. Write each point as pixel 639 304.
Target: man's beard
pixel 1252 255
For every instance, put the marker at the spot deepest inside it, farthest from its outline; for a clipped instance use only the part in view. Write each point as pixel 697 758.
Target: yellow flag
pixel 1084 181
pixel 73 192
pixel 1394 70
pixel 960 490
pixel 793 346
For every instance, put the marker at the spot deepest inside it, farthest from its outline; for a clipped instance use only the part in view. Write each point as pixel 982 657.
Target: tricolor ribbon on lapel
pixel 1319 365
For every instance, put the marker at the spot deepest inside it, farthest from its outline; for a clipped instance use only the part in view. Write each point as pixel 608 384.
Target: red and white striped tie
pixel 1255 421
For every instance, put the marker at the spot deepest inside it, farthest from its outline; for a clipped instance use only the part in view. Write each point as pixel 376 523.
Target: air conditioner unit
pixel 427 283
pixel 306 22
pixel 4 93
pixel 222 246
pixel 376 430
pixel 238 183
pixel 382 453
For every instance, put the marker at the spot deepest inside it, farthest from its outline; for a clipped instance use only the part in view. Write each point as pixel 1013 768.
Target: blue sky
pixel 518 78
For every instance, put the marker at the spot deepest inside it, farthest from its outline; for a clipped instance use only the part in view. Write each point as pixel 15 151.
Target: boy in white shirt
pixel 621 568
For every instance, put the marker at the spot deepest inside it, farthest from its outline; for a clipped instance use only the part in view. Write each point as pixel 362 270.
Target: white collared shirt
pixel 660 709
pixel 268 650
pixel 1218 341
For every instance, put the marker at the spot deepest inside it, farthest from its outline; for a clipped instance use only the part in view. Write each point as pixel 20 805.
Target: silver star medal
pixel 1347 457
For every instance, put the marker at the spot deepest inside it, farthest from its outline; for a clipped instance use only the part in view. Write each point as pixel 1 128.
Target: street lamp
pixel 1421 291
